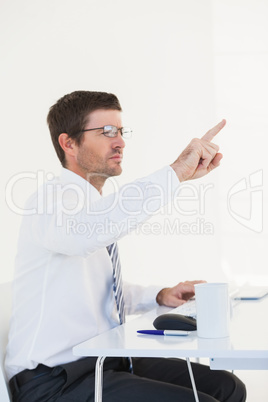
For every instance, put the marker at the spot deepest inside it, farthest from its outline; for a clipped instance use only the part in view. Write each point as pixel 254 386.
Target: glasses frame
pixel 110 136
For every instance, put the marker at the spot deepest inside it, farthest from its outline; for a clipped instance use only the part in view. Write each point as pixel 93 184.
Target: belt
pixel 26 375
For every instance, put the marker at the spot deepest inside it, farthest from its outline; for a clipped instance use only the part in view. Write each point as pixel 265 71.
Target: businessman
pixel 68 285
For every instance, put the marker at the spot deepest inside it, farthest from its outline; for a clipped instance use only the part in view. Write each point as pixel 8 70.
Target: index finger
pixel 213 131
pixel 197 282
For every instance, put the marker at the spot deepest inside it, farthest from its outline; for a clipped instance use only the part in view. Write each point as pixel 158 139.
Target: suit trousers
pixel 153 379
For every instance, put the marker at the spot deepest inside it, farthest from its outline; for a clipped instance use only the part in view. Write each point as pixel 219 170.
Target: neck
pixel 96 180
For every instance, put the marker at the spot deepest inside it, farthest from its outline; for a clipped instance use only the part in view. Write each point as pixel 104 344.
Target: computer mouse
pixel 175 321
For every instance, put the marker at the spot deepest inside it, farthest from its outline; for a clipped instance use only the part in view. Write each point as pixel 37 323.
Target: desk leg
pixel 192 379
pixel 99 378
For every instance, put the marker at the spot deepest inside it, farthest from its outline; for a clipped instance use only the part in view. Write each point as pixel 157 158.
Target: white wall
pixel 240 37
pixel 177 67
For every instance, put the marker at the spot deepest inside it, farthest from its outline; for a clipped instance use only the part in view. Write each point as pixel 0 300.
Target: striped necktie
pixel 118 288
pixel 117 285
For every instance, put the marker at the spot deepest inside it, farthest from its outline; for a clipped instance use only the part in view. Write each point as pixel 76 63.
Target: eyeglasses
pixel 112 131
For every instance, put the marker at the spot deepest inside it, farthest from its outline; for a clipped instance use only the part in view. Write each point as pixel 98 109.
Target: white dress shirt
pixel 63 285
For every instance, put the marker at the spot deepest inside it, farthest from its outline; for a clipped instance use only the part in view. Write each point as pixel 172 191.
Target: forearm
pixel 77 230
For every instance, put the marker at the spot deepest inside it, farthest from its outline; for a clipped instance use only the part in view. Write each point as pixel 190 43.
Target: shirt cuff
pixel 139 299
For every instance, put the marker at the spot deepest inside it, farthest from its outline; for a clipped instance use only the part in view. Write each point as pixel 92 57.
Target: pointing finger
pixel 215 130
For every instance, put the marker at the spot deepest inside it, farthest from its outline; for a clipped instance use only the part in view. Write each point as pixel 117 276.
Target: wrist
pixel 178 172
pixel 160 296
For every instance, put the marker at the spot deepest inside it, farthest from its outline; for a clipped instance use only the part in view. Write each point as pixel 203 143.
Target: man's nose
pixel 119 141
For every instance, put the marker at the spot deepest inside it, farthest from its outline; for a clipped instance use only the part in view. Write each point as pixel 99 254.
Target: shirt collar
pixel 68 177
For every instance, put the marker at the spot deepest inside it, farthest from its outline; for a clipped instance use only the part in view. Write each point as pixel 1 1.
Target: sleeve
pixel 80 228
pixel 139 299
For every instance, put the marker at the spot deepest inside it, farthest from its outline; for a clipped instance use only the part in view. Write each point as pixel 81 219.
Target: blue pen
pixel 166 332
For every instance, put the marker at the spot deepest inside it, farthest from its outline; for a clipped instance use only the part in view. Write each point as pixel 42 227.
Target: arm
pixel 139 299
pixel 75 222
pixel 112 217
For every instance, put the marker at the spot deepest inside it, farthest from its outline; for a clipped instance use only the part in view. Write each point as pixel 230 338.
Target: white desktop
pixel 245 349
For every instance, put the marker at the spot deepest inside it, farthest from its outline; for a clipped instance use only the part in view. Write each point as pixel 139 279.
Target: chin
pixel 117 173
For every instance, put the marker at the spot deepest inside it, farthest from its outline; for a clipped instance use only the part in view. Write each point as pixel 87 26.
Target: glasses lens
pixel 110 131
pixel 126 132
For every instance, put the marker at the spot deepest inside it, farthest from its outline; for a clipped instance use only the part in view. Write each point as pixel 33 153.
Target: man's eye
pixel 107 132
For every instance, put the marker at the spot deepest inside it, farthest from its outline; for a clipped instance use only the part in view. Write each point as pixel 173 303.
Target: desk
pixel 246 348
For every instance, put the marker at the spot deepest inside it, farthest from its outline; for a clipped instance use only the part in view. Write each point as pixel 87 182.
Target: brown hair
pixel 70 115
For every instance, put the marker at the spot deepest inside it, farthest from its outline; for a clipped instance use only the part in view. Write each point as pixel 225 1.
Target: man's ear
pixel 67 144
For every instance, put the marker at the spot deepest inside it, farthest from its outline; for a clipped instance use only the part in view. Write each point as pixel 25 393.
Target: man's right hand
pixel 199 157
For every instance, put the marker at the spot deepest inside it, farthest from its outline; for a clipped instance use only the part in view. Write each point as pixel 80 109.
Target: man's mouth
pixel 117 157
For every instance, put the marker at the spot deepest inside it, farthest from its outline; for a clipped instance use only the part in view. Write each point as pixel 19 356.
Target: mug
pixel 212 310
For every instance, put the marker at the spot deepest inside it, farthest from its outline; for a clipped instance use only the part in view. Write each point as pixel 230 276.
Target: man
pixel 68 284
